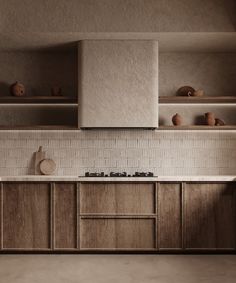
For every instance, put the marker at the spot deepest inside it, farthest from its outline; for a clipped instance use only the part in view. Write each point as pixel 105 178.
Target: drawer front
pixel 117 233
pixel 117 198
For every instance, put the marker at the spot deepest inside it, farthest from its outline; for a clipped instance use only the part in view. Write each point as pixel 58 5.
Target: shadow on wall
pixel 4 88
pixel 231 11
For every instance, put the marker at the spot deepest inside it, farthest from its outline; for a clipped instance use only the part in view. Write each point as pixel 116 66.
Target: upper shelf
pixel 197 100
pixel 37 100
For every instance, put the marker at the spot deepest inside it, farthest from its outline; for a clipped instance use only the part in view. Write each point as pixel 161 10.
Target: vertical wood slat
pixel 52 216
pixel 78 216
pixel 1 213
pixel 183 214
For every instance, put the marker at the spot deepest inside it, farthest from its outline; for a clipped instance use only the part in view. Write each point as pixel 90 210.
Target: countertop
pixel 34 178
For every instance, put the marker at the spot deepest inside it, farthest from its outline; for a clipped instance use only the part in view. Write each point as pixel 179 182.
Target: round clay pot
pixel 56 91
pixel 177 120
pixel 17 89
pixel 185 91
pixel 198 92
pixel 210 119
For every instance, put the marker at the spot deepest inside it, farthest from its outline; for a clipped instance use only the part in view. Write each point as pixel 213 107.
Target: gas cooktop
pixel 119 174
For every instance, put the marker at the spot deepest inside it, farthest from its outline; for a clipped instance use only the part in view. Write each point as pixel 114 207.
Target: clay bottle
pixel 177 120
pixel 210 119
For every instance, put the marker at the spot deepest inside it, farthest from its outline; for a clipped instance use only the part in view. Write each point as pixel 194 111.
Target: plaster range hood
pixel 118 84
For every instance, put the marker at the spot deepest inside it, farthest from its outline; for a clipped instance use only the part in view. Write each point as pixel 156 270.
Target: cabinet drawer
pixel 117 233
pixel 117 198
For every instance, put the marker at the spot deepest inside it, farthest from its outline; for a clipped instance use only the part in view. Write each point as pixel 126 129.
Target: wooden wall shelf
pixel 195 100
pixel 39 127
pixel 38 100
pixel 198 127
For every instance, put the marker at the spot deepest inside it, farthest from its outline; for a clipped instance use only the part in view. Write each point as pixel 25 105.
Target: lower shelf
pixel 39 127
pixel 198 127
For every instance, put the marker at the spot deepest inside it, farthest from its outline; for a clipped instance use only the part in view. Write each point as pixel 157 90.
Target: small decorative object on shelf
pixel 198 92
pixel 56 91
pixel 177 120
pixel 210 118
pixel 185 91
pixel 47 166
pixel 17 89
pixel 219 122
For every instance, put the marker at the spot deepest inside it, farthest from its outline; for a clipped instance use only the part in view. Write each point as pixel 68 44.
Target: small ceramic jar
pixel 17 89
pixel 177 120
pixel 210 119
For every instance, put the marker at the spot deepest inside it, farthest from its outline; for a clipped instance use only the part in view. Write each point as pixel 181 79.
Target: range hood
pixel 118 84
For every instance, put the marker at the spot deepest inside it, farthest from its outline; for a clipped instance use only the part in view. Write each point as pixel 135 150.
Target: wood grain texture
pixel 117 234
pixel 65 216
pixel 210 219
pixel 169 215
pixel 26 221
pixel 117 198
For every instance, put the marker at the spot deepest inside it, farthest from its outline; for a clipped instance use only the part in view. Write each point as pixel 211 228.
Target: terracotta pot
pixel 185 91
pixel 17 89
pixel 198 92
pixel 210 119
pixel 177 120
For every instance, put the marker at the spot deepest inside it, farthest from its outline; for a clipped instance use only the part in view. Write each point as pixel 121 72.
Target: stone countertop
pixel 38 178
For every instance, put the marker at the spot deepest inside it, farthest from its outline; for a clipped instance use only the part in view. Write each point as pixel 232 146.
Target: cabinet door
pixel 169 216
pixel 65 216
pixel 209 213
pixel 26 216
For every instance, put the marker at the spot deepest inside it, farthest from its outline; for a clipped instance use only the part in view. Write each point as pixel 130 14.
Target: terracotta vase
pixel 177 120
pixel 210 119
pixel 17 89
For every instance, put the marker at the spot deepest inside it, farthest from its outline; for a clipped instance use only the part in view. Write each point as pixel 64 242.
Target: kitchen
pixel 94 159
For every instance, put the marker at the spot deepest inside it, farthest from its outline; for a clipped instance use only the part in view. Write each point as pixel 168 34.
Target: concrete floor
pixel 117 268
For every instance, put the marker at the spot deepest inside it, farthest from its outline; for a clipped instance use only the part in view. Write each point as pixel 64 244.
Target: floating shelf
pixel 39 127
pixel 37 100
pixel 198 127
pixel 195 100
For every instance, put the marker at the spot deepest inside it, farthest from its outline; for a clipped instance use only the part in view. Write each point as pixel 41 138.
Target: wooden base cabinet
pixel 169 216
pixel 65 216
pixel 25 221
pixel 79 217
pixel 210 216
pixel 118 216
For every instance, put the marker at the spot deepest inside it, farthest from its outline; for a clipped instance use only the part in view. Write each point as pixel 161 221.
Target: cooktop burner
pixel 118 174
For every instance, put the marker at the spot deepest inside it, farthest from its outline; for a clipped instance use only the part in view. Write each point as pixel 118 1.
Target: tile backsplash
pixel 164 153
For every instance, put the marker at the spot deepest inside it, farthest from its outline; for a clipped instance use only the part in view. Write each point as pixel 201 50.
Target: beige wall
pixel 164 153
pixel 117 15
